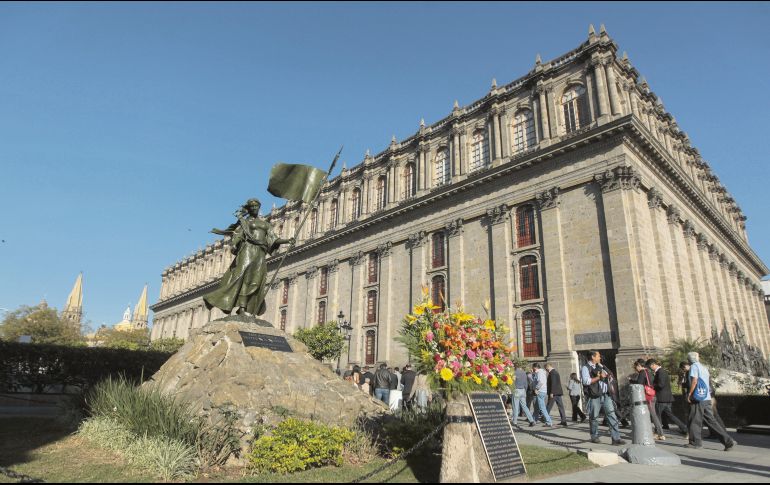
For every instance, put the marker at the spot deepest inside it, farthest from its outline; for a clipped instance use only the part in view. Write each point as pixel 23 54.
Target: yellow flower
pixel 463 317
pixel 419 310
pixel 489 324
pixel 447 374
pixel 411 318
pixel 494 382
pixel 476 379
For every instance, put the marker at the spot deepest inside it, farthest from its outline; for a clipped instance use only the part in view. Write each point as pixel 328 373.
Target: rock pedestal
pixel 214 368
pixel 463 458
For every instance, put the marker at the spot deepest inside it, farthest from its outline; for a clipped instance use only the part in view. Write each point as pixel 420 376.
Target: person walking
pixel 555 393
pixel 382 384
pixel 643 377
pixel 518 400
pixel 368 375
pixel 407 380
pixel 663 395
pixel 530 390
pixel 394 395
pixel 594 377
pixel 699 397
pixel 574 389
pixel 421 394
pixel 541 391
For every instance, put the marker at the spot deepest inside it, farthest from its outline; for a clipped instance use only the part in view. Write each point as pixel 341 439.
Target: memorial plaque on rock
pixel 497 436
pixel 272 342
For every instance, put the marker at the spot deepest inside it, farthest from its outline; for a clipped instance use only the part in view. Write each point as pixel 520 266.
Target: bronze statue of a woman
pixel 243 287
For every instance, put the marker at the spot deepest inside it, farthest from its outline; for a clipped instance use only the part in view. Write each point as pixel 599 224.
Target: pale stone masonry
pixel 633 243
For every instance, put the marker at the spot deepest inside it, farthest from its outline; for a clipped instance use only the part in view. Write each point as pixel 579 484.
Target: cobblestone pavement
pixel 747 462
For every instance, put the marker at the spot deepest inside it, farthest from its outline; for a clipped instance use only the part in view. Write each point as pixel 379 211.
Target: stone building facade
pixel 569 198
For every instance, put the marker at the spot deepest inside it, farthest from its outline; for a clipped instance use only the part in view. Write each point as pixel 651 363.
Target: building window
pixel 439 254
pixel 355 211
pixel 283 320
pixel 370 347
pixel 438 293
pixel 333 215
pixel 382 194
pixel 532 332
pixel 479 151
pixel 409 181
pixel 575 111
pixel 324 281
pixel 525 225
pixel 296 225
pixel 321 312
pixel 530 288
pixel 523 131
pixel 285 295
pixel 314 222
pixel 371 307
pixel 373 268
pixel 442 167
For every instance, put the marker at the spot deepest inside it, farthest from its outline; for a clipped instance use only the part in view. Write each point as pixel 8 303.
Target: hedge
pixel 41 367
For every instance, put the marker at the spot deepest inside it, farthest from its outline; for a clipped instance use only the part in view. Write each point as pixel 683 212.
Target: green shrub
pixel 143 411
pixel 296 445
pixel 407 428
pixel 169 345
pixel 324 341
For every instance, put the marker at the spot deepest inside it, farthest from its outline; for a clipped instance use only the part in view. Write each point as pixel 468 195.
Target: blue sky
pixel 128 130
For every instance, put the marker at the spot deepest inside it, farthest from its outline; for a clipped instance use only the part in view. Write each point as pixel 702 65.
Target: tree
pixel 169 345
pixel 137 339
pixel 42 324
pixel 324 341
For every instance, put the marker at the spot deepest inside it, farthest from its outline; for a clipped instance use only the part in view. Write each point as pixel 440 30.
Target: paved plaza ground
pixel 748 462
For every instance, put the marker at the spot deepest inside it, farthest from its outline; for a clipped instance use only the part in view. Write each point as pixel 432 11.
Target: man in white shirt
pixel 699 398
pixel 540 377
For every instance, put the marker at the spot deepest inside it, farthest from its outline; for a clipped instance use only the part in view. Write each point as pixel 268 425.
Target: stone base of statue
pixel 643 450
pixel 463 459
pixel 261 372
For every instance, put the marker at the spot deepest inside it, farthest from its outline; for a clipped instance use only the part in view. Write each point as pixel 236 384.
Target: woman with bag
pixel 643 377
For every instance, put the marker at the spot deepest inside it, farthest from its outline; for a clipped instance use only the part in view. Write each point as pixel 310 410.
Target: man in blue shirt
pixel 699 398
pixel 519 397
pixel 594 377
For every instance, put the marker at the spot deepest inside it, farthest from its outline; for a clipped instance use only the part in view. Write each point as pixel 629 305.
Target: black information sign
pixel 497 436
pixel 272 342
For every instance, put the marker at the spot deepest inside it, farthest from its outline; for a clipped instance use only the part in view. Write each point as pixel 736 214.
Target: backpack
pixel 701 392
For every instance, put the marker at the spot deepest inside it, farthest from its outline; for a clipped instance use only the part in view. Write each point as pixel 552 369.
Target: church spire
pixel 140 311
pixel 73 309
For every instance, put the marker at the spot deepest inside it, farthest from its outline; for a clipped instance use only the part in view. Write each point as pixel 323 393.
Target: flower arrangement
pixel 458 351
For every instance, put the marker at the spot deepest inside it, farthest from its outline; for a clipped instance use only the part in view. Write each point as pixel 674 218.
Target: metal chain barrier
pixel 402 456
pixel 565 444
pixel 19 476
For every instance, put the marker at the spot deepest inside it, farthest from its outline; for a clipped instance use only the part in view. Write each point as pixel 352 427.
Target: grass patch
pixel 544 462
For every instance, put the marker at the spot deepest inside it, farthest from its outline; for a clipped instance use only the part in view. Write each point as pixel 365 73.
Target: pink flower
pixel 456 365
pixel 429 336
pixel 435 325
pixel 471 354
pixel 485 370
pixel 440 365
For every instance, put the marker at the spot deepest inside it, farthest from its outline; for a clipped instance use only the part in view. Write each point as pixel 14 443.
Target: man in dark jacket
pixel 381 385
pixel 663 395
pixel 555 393
pixel 407 379
pixel 368 375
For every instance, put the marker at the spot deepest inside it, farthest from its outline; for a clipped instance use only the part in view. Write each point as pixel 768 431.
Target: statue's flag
pixel 295 182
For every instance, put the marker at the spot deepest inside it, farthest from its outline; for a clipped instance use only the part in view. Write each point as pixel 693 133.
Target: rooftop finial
pixel 422 122
pixel 625 56
pixel 368 155
pixel 538 60
pixel 456 106
pixel 393 140
pixel 591 30
pixel 344 166
pixel 494 83
pixel 602 30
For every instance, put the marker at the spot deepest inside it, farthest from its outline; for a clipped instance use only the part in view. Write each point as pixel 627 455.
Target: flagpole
pixel 304 218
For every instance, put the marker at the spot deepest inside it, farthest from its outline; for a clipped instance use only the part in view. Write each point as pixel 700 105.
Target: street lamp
pixel 346 330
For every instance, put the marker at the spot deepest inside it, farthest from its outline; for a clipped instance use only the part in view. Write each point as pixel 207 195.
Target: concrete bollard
pixel 643 450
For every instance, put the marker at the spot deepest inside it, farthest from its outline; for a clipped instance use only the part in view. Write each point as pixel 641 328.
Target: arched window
pixel 371 307
pixel 382 195
pixel 370 347
pixel 280 230
pixel 333 219
pixel 523 131
pixel 314 222
pixel 525 226
pixel 530 287
pixel 479 150
pixel 441 164
pixel 324 283
pixel 439 256
pixel 575 110
pixel 372 268
pixel 285 295
pixel 410 187
pixel 283 320
pixel 532 333
pixel 295 225
pixel 321 312
pixel 438 293
pixel 355 210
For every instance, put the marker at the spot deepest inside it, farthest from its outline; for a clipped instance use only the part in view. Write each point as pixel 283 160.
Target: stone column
pixel 546 130
pixel 609 65
pixel 358 306
pixel 385 315
pixel 497 222
pixel 496 136
pixel 505 132
pixel 601 88
pixel 455 153
pixel 560 338
pixel 552 107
